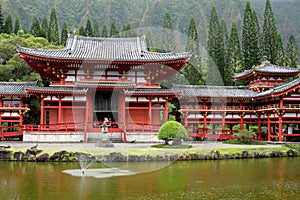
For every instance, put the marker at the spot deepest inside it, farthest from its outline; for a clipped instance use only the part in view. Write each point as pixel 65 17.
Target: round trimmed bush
pixel 172 130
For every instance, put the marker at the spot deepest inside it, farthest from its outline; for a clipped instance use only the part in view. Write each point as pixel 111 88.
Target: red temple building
pixel 119 79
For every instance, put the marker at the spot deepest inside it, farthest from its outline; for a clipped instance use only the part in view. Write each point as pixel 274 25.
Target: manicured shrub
pixel 244 135
pixel 172 130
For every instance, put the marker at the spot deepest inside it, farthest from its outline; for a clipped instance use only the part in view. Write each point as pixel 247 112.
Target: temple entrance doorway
pixel 106 105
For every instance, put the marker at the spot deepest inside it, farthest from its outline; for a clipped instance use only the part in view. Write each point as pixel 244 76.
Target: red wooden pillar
pixel 150 110
pixel 86 117
pixel 269 127
pixel 280 114
pixel 205 118
pixel 241 116
pixel 242 120
pixel 166 109
pixel 59 110
pixel 223 122
pixel 280 127
pixel 259 125
pixel 21 114
pixel 204 123
pixel 42 117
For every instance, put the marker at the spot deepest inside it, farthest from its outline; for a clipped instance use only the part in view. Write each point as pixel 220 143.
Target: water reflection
pixel 232 179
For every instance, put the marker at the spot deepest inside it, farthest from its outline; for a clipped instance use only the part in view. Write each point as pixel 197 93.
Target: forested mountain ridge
pixel 150 13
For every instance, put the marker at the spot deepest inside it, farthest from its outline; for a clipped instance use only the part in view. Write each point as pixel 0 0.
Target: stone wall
pixel 36 155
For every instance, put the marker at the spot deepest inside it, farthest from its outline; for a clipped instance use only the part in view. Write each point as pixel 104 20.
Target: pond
pixel 277 178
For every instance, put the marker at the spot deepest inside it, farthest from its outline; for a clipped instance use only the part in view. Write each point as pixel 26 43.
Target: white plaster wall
pixel 53 137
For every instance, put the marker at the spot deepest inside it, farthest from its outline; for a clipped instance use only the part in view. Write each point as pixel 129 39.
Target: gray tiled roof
pixel 152 91
pixel 16 88
pixel 105 49
pixel 266 67
pixel 280 88
pixel 104 84
pixel 59 89
pixel 215 91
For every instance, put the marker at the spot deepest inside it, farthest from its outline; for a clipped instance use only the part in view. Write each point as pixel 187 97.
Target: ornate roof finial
pixel 265 61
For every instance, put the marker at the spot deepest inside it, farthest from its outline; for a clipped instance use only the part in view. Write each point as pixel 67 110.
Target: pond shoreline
pixel 139 152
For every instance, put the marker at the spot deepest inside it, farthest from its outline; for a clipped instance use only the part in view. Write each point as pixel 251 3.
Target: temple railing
pixel 10 131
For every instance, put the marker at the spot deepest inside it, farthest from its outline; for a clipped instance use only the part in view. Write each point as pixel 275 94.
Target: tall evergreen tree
pixel 8 25
pixel 88 28
pixel 35 27
pixel 192 70
pixel 292 52
pixel 1 20
pixel 64 34
pixel 96 29
pixel 125 30
pixel 250 38
pixel 214 47
pixel 82 31
pixel 113 30
pixel 269 34
pixel 53 35
pixel 44 28
pixel 104 31
pixel 234 60
pixel 149 40
pixel 223 37
pixel 280 55
pixel 17 25
pixel 255 49
pixel 168 43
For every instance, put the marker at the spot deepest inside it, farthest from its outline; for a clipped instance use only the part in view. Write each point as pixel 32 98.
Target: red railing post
pixel 124 137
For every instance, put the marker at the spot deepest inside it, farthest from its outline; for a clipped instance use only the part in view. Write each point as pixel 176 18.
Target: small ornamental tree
pixel 172 130
pixel 244 136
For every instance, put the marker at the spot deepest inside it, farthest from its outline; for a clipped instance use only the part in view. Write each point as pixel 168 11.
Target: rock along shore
pixel 122 152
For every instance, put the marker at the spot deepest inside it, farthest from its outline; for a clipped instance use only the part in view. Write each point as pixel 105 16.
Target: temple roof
pixel 16 88
pixel 283 88
pixel 215 91
pixel 152 92
pixel 104 84
pixel 104 49
pixel 57 90
pixel 267 68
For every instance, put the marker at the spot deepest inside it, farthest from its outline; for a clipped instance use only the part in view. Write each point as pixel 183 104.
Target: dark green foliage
pixel 256 44
pixel 88 28
pixel 44 28
pixel 104 31
pixel 292 52
pixel 244 136
pixel 96 29
pixel 113 30
pixel 17 25
pixel 168 43
pixel 1 20
pixel 64 34
pixel 82 31
pixel 234 62
pixel 8 25
pixel 215 47
pixel 250 38
pixel 192 70
pixel 269 34
pixel 53 35
pixel 35 29
pixel 172 130
pixel 223 37
pixel 13 68
pixel 280 55
pixel 241 142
